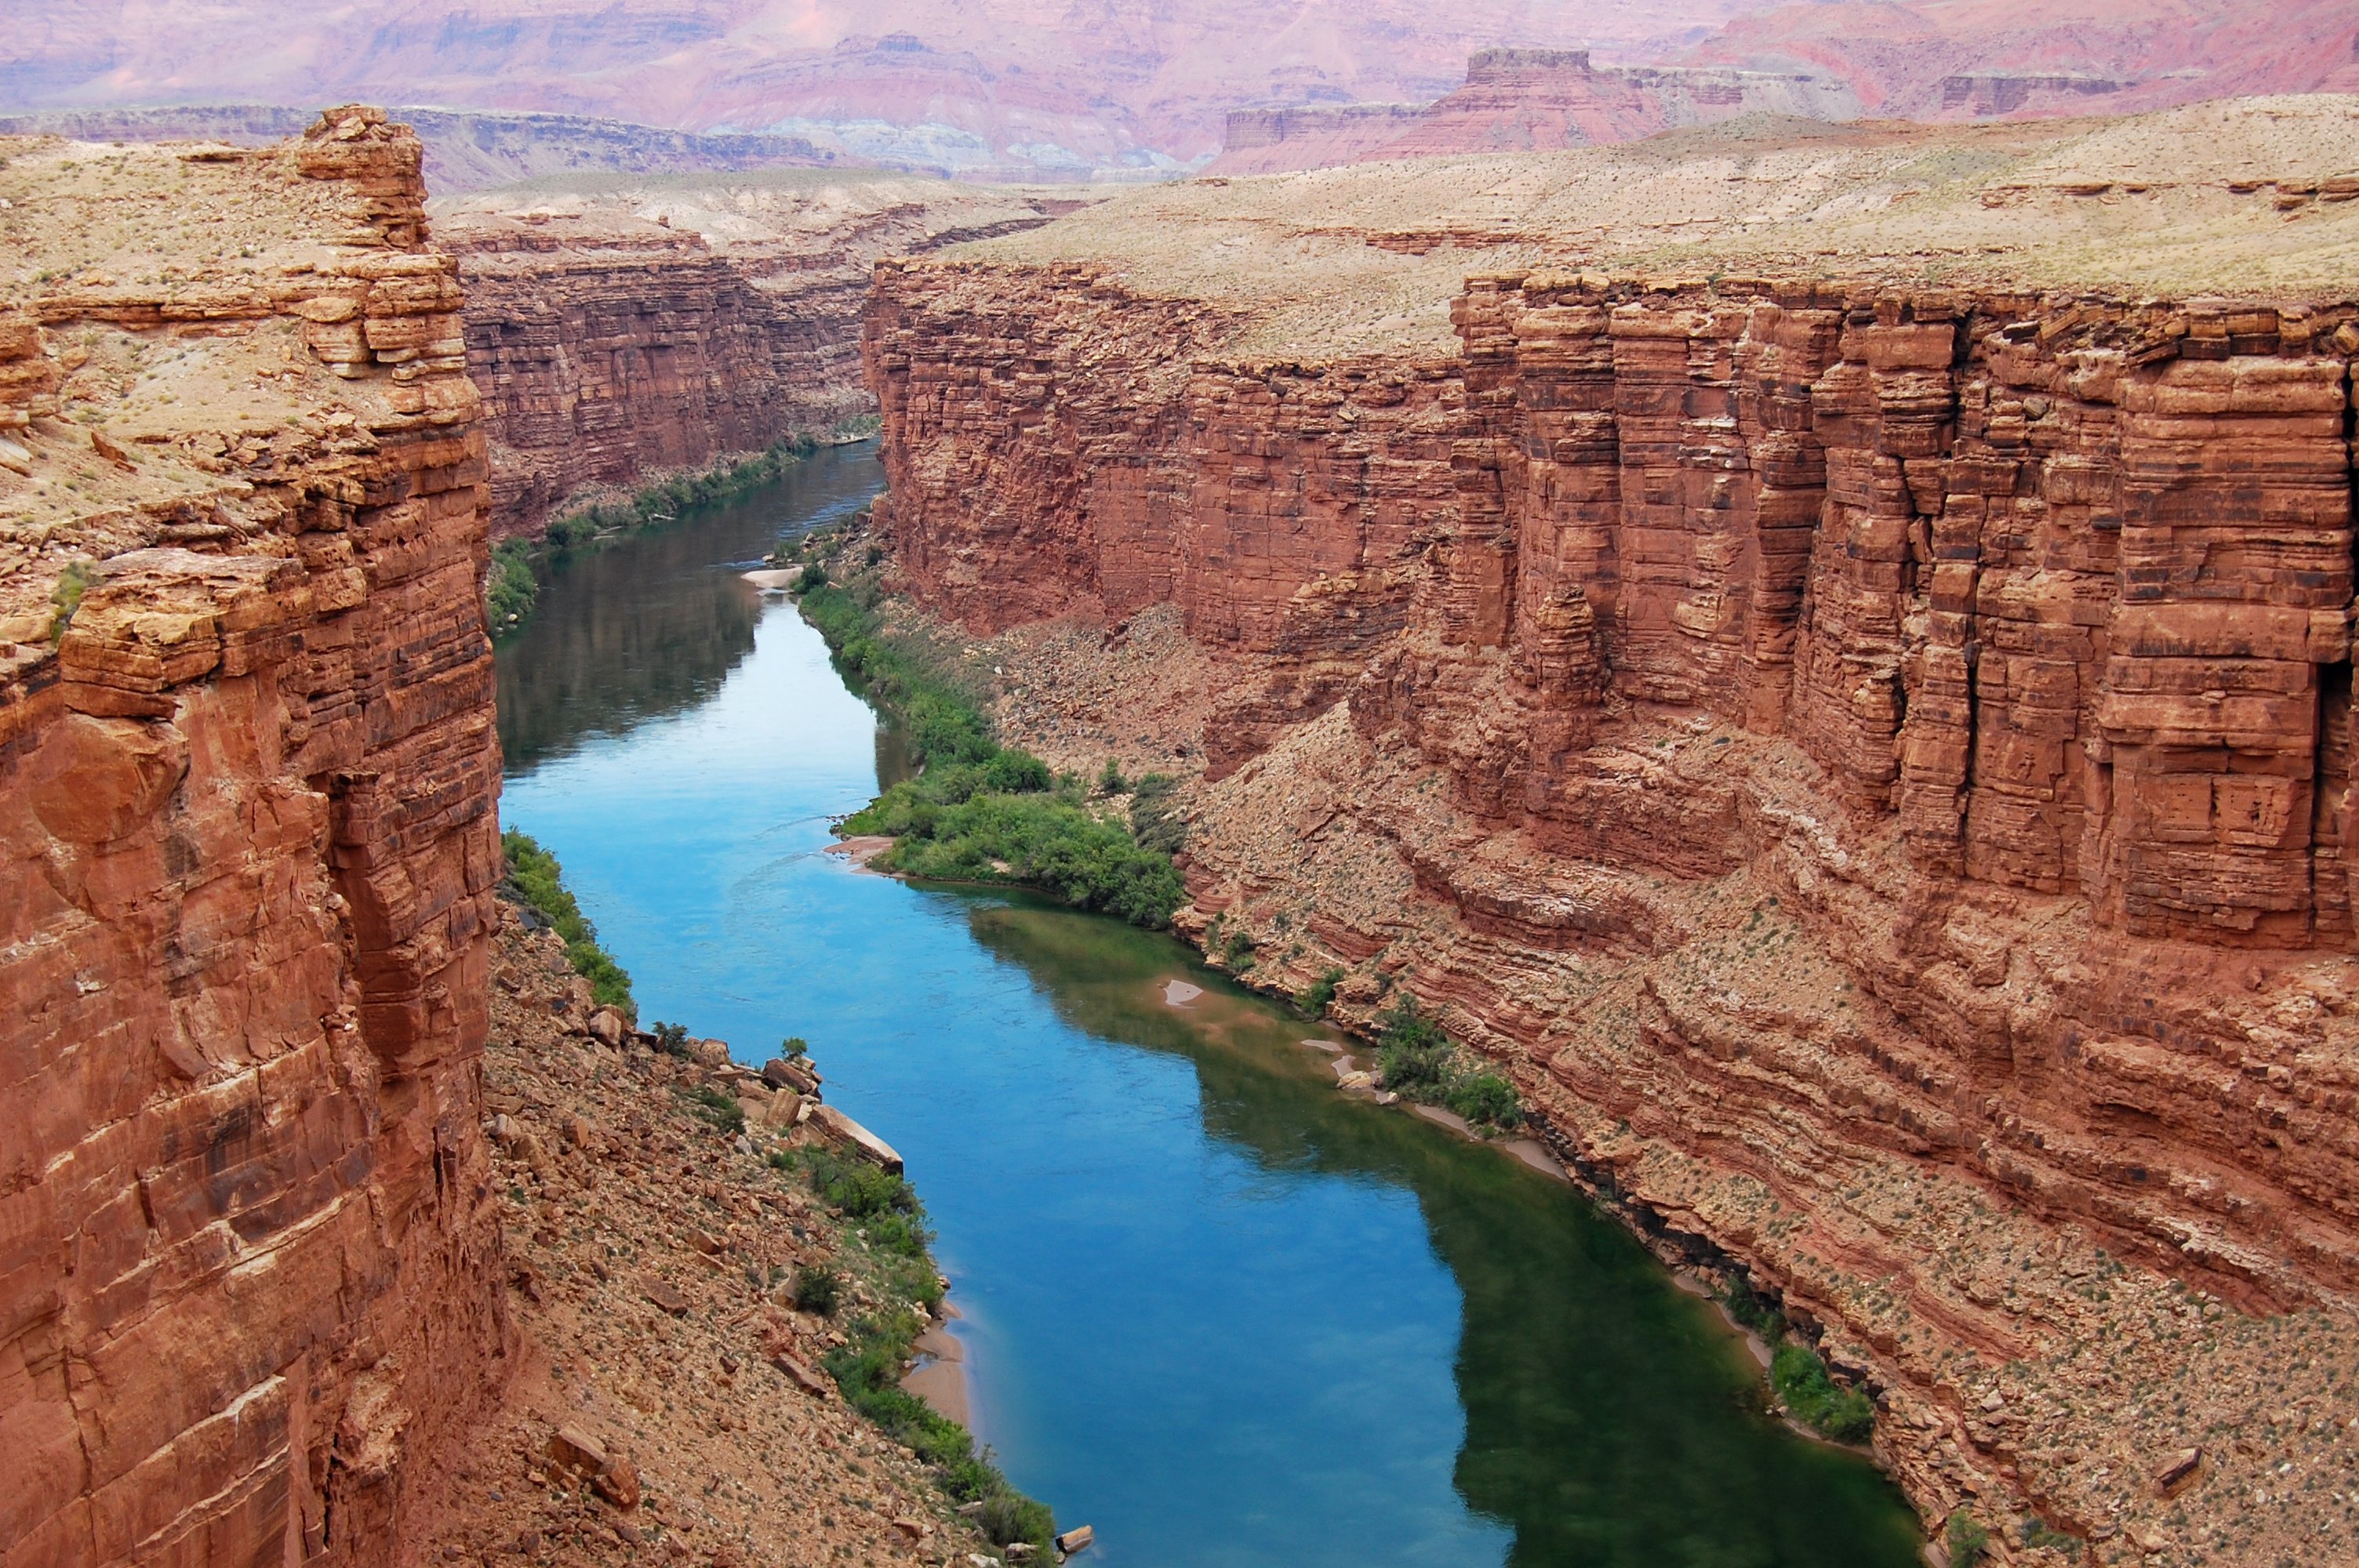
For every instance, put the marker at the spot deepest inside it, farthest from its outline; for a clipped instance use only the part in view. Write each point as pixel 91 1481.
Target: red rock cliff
pixel 1872 761
pixel 250 1276
pixel 641 328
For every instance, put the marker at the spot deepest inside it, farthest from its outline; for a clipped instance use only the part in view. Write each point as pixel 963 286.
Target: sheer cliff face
pixel 249 1278
pixel 1871 760
pixel 636 327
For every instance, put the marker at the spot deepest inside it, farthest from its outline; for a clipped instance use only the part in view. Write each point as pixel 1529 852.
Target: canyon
pixel 1940 60
pixel 465 150
pixel 999 88
pixel 1824 656
pixel 618 328
pixel 294 1095
pixel 1017 89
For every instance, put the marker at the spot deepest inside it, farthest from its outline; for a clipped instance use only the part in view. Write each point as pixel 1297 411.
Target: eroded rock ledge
pixel 250 1272
pixel 1871 759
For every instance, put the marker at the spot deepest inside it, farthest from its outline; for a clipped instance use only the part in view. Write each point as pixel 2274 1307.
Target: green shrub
pixel 794 1048
pixel 1419 1061
pixel 868 1372
pixel 1009 1516
pixel 1800 1378
pixel 1157 827
pixel 1110 780
pixel 1316 996
pixel 1031 840
pixel 1413 1054
pixel 715 1108
pixel 66 597
pixel 1237 951
pixel 859 1190
pixel 671 1039
pixel 813 576
pixel 979 811
pixel 818 1289
pixel 514 588
pixel 1486 1099
pixel 1967 1540
pixel 535 879
pixel 1755 1313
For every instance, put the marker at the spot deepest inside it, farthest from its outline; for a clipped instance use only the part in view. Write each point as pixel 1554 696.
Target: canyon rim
pixel 1821 651
pixel 1827 659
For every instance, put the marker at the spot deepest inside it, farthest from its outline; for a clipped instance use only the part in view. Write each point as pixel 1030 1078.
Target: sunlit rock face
pixel 250 1280
pixel 1869 756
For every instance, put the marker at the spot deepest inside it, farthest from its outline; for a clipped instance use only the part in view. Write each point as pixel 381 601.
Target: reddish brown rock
pixel 636 329
pixel 1867 758
pixel 249 1266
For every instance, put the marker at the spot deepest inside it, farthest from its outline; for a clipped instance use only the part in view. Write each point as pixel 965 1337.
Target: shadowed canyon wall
pixel 639 327
pixel 250 1272
pixel 1871 761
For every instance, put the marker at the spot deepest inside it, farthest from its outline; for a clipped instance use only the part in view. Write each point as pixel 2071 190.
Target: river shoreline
pixel 1126 1193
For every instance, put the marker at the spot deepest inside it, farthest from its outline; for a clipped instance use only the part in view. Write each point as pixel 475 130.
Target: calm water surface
pixel 1212 1307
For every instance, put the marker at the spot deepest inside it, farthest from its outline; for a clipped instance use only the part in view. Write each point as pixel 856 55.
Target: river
pixel 1211 1306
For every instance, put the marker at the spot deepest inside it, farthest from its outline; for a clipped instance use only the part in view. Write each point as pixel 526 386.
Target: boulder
pixel 781 1074
pixel 2177 1469
pixel 841 1129
pixel 609 1027
pixel 1075 1539
pixel 618 1483
pixel 575 1449
pixel 811 1382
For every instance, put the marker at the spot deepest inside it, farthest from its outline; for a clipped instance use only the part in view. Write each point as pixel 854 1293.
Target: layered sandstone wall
pixel 628 329
pixel 250 1268
pixel 1871 761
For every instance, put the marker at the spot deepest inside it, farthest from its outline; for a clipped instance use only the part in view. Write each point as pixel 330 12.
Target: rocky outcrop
pixel 250 1263
pixel 465 150
pixel 1521 100
pixel 636 330
pixel 1868 758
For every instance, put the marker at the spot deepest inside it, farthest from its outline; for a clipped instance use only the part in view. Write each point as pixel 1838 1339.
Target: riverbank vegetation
pixel 537 882
pixel 1419 1061
pixel 1797 1376
pixel 889 1225
pixel 518 564
pixel 975 810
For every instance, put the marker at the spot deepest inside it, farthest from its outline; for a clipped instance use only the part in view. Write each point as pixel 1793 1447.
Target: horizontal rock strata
pixel 638 329
pixel 1871 760
pixel 249 1261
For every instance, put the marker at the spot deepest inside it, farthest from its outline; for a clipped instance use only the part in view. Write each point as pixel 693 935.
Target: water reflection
pixel 1215 1310
pixel 652 626
pixel 1608 1415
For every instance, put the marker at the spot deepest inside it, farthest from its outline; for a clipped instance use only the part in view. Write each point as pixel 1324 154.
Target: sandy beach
pixel 939 1379
pixel 861 848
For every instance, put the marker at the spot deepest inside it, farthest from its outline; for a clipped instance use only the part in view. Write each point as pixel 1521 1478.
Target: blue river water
pixel 1211 1307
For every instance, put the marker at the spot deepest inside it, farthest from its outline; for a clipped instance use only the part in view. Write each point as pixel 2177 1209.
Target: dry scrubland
pixel 2251 197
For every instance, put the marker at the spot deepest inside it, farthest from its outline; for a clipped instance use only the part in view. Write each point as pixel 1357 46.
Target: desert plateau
pixel 965 785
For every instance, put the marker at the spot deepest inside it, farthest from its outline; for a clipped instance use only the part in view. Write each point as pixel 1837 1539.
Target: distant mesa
pixel 465 149
pixel 1522 100
pixel 1988 96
